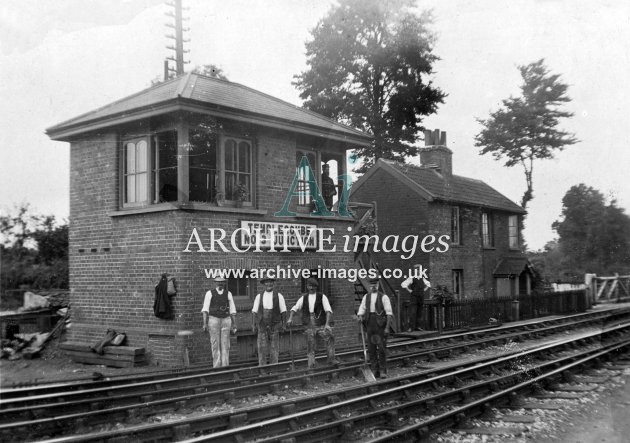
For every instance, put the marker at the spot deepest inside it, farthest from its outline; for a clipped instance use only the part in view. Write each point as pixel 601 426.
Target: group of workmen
pixel 269 318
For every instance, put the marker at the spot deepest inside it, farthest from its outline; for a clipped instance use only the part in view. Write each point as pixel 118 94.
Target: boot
pixel 98 347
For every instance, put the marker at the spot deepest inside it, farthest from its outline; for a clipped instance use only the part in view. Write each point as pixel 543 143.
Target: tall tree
pixel 369 64
pixel 593 236
pixel 526 127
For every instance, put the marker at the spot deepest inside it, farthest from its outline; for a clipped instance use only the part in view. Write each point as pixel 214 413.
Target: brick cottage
pixel 484 258
pixel 189 155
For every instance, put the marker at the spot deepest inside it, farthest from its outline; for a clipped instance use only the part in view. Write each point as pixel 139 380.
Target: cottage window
pixel 456 237
pixel 513 231
pixel 487 230
pixel 458 283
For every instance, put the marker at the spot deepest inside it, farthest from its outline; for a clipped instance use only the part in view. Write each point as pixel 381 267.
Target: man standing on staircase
pixel 416 288
pixel 316 317
pixel 376 315
pixel 269 315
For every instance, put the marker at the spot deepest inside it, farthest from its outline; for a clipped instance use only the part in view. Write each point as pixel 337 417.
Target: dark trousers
pixel 415 311
pixel 377 344
pixel 268 343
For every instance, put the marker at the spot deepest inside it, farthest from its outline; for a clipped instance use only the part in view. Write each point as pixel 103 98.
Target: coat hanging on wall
pixel 162 307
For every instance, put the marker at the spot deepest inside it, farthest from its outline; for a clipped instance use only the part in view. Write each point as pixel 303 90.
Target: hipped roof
pixel 432 185
pixel 209 95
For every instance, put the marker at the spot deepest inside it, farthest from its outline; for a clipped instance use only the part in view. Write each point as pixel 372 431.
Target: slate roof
pixel 457 190
pixel 218 97
pixel 511 266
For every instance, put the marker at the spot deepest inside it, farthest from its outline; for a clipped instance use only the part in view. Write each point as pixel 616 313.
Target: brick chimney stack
pixel 435 154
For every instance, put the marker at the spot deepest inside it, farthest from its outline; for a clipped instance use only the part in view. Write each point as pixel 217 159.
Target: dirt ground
pixel 53 366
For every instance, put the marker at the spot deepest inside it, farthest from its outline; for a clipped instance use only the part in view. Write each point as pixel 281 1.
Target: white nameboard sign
pixel 296 236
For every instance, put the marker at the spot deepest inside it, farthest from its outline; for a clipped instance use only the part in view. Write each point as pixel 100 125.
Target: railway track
pixel 403 408
pixel 249 370
pixel 37 415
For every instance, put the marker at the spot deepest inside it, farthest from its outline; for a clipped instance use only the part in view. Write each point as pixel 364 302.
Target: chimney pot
pixel 436 155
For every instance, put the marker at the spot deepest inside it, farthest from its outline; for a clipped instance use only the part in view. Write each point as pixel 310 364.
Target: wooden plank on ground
pixel 84 347
pixel 113 357
pixel 485 430
pixel 95 359
pixel 517 418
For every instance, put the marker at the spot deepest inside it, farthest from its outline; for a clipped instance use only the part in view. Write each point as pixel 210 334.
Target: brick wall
pixel 401 211
pixel 116 260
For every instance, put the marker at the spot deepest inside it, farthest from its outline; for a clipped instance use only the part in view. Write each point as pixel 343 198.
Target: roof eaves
pixel 279 123
pixel 61 133
pixel 286 103
pixel 386 166
pixel 516 209
pixel 94 111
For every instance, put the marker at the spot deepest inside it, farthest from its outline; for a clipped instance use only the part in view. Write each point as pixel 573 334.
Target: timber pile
pixel 116 356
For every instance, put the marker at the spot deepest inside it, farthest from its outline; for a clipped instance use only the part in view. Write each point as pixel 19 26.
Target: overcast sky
pixel 61 58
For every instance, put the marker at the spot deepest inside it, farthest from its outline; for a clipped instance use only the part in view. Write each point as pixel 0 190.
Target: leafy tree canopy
pixel 369 64
pixel 525 128
pixel 209 70
pixel 593 236
pixel 34 251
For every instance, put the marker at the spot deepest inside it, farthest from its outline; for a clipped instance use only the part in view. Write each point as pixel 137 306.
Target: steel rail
pixel 58 423
pixel 97 414
pixel 35 407
pixel 422 429
pixel 9 400
pixel 181 428
pixel 329 424
pixel 245 371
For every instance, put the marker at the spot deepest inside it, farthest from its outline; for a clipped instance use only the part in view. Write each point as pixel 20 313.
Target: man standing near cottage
pixel 376 315
pixel 269 315
pixel 316 316
pixel 416 288
pixel 219 317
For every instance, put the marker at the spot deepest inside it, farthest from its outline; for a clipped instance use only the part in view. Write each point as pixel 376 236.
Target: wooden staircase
pixel 365 216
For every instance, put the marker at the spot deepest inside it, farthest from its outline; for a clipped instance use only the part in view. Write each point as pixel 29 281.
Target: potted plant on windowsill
pixel 240 195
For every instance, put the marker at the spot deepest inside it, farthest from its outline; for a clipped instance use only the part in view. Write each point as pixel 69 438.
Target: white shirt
pixel 311 303
pixel 267 298
pixel 406 283
pixel 387 306
pixel 208 298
